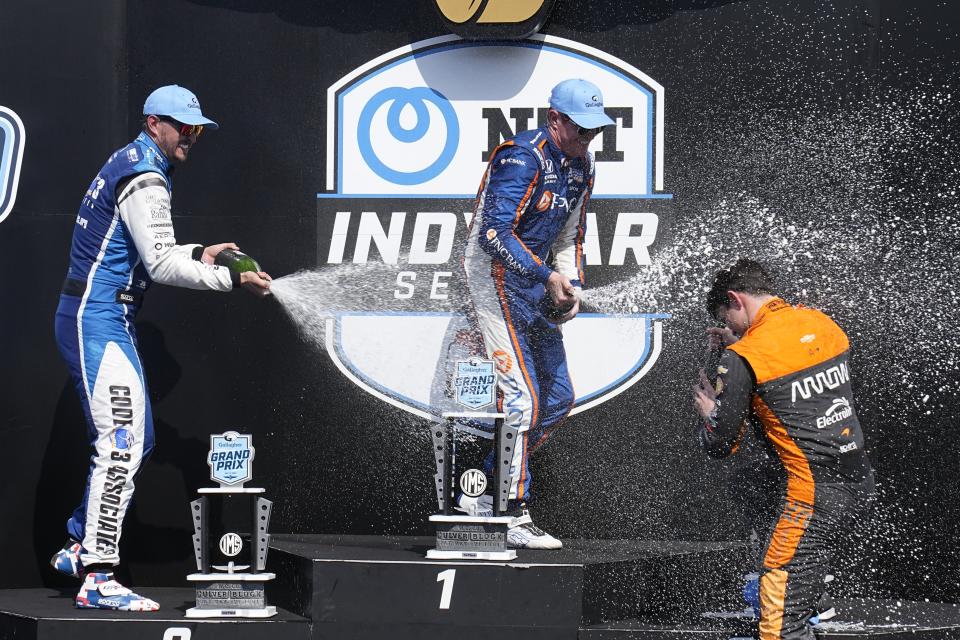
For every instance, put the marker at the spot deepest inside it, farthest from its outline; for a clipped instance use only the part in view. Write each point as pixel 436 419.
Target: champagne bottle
pixel 236 261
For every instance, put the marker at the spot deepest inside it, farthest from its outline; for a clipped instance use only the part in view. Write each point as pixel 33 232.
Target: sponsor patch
pixel 111 588
pixel 545 200
pixel 839 411
pixel 122 439
pixel 820 381
pixel 504 361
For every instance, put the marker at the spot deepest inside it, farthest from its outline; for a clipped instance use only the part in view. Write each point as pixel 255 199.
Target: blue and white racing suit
pixel 123 239
pixel 531 209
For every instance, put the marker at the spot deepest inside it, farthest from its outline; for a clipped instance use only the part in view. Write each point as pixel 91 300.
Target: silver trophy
pixel 231 580
pixel 462 536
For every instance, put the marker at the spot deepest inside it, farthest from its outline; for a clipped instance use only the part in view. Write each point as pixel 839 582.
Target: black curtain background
pixel 818 135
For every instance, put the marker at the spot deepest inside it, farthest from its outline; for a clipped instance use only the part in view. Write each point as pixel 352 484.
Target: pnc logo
pixel 504 361
pixel 545 201
pixel 495 19
pixel 12 136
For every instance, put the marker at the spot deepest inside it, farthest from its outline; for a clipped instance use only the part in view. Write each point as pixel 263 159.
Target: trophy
pixel 231 580
pixel 462 536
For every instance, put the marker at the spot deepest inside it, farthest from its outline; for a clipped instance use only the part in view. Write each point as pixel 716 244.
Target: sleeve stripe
pixel 526 198
pixel 142 184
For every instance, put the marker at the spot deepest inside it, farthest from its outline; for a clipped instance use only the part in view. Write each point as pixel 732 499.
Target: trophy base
pixel 231 595
pixel 267 612
pixel 436 554
pixel 463 537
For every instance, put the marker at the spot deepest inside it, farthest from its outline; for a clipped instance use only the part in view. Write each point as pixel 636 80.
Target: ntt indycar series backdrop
pixel 404 195
pixel 817 137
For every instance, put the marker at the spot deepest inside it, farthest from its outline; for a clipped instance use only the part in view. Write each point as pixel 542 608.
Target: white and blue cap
pixel 178 103
pixel 582 102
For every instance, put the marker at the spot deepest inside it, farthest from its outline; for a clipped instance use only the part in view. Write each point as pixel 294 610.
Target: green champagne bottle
pixel 236 261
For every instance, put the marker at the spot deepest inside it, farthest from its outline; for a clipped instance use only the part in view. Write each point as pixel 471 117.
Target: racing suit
pixel 531 205
pixel 791 370
pixel 122 240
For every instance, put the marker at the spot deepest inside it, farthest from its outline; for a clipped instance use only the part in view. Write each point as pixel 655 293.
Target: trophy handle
pixel 199 510
pixel 261 538
pixel 440 433
pixel 506 439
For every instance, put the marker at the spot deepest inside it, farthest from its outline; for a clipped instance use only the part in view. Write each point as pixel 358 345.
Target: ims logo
pixel 409 136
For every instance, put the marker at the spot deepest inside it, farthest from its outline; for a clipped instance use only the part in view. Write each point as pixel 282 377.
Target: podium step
pixel 369 586
pixel 857 619
pixel 49 614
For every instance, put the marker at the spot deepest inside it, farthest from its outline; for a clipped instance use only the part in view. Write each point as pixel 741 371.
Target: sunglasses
pixel 185 130
pixel 581 130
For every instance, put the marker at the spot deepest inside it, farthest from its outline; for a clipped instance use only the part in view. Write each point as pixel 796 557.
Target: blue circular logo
pixel 417 98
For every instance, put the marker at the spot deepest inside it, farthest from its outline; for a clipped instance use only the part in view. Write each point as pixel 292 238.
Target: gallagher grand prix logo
pixel 12 137
pixel 408 138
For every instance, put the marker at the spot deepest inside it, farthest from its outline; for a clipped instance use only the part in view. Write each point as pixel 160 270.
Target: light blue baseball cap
pixel 581 101
pixel 178 103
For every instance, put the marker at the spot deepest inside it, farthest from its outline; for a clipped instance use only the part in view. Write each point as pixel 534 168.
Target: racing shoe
pixel 751 593
pixel 523 534
pixel 67 560
pixel 825 608
pixel 101 591
pixel 481 506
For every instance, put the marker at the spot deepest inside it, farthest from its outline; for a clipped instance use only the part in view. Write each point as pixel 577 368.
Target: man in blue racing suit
pixel 530 213
pixel 123 240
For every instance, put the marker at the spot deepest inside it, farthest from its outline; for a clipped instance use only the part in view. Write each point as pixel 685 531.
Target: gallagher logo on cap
pixel 494 19
pixel 12 136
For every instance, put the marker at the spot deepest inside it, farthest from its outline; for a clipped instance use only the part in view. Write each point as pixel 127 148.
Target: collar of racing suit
pixel 554 149
pixel 770 306
pixel 150 148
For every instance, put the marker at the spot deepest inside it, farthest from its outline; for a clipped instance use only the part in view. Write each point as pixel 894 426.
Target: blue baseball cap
pixel 581 101
pixel 178 103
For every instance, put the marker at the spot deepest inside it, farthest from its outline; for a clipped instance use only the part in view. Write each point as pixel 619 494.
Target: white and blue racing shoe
pixel 480 506
pixel 101 591
pixel 67 560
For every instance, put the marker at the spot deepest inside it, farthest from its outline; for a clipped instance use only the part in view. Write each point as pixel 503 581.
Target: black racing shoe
pixel 825 608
